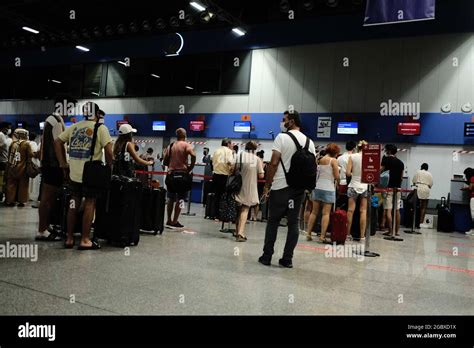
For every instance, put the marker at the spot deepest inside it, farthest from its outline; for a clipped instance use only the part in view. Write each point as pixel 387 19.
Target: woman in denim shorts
pixel 324 195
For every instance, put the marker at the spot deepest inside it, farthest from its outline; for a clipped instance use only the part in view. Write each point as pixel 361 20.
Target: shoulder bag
pixel 96 175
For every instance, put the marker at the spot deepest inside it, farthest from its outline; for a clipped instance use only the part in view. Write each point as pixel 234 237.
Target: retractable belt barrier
pixel 205 177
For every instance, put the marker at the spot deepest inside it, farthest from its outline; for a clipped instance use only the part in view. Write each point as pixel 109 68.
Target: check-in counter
pixel 457 195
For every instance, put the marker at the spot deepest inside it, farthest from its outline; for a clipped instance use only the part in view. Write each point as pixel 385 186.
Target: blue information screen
pixel 242 126
pixel 347 128
pixel 159 125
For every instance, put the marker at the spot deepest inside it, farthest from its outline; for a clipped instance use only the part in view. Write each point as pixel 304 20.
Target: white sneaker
pixel 470 233
pixel 425 226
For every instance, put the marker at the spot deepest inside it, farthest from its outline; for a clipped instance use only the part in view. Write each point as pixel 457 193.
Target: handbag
pixel 32 170
pixel 96 175
pixel 178 181
pixel 234 181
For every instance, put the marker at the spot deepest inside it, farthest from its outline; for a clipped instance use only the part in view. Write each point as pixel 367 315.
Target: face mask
pixel 9 131
pixel 283 127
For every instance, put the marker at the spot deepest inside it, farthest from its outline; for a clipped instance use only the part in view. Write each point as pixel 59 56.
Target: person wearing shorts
pixel 396 167
pixel 324 195
pixel 176 156
pixel 79 137
pixel 355 189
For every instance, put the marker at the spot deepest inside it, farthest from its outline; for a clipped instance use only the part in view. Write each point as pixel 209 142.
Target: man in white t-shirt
pixel 283 200
pixel 342 162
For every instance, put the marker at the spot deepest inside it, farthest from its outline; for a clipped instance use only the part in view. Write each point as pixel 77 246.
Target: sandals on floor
pixel 52 237
pixel 69 246
pixel 240 238
pixel 94 246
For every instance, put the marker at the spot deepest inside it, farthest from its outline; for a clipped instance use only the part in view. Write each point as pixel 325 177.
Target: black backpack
pixel 303 170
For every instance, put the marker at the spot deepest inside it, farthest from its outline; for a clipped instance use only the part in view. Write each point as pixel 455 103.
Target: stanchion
pixel 367 251
pixel 188 212
pixel 394 238
pixel 413 225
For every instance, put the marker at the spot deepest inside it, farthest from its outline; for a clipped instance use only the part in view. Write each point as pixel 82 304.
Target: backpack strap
pixel 298 147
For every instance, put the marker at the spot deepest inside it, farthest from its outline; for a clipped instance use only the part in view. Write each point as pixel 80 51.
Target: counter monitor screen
pixel 41 124
pixel 410 128
pixel 469 129
pixel 159 126
pixel 196 126
pixel 351 128
pixel 242 126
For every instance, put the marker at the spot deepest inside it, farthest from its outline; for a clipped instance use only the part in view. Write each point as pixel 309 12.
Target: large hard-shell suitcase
pixel 338 226
pixel 118 221
pixel 445 217
pixel 153 210
pixel 210 212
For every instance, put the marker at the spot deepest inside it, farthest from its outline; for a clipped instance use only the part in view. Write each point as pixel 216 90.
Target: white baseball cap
pixel 126 128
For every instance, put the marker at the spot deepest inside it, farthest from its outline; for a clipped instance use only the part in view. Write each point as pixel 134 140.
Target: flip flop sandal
pixel 69 246
pixel 93 246
pixel 388 234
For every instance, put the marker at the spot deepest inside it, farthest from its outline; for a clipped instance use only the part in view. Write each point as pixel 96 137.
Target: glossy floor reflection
pixel 207 272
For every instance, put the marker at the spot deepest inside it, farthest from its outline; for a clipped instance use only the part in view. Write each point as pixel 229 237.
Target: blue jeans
pixel 284 202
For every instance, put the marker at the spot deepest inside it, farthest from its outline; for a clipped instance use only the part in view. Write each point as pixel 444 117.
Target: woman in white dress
pixel 252 170
pixel 424 182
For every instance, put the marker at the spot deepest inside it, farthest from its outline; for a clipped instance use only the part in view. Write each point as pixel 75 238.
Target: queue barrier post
pixel 413 225
pixel 367 252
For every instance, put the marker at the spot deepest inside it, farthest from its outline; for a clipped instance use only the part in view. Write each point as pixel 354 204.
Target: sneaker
pixel 424 226
pixel 285 263
pixel 265 261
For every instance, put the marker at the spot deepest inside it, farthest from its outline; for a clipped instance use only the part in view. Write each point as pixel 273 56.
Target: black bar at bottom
pixel 290 330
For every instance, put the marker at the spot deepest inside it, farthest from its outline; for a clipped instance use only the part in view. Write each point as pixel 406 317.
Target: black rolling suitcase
pixel 153 210
pixel 206 189
pixel 210 212
pixel 119 213
pixel 445 217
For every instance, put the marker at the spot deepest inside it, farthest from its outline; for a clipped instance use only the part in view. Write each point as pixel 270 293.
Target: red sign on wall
pixel 371 163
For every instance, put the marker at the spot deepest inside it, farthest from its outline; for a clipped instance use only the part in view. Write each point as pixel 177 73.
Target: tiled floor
pixel 208 273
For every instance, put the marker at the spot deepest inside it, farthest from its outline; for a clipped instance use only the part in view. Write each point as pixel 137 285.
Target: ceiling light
pixel 95 93
pixel 155 75
pixel 205 16
pixel 239 31
pixel 188 87
pixel 34 31
pixel 82 48
pixel 123 63
pixel 197 6
pixel 56 81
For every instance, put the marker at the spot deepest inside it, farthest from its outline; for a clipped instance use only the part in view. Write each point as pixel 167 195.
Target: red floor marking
pixel 451 269
pixel 464 245
pixel 450 252
pixel 302 246
pixel 455 237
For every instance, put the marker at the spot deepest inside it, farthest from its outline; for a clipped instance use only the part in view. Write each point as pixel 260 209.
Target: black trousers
pixel 285 202
pixel 219 183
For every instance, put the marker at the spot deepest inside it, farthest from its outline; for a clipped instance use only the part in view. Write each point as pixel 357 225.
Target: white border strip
pixel 396 22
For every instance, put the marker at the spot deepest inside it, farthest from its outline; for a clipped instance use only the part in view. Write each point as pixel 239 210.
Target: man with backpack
pixel 291 171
